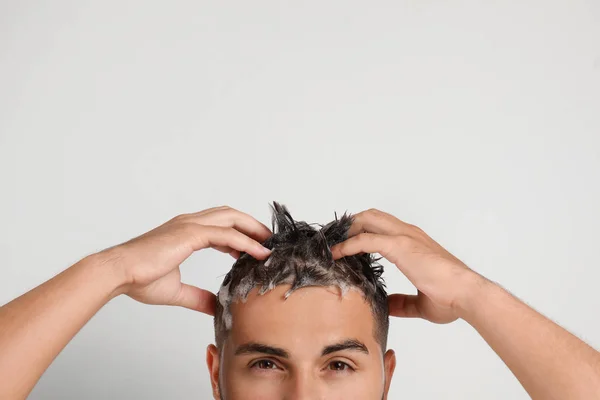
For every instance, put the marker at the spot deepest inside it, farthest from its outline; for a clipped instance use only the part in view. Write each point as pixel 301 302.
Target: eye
pixel 264 364
pixel 340 366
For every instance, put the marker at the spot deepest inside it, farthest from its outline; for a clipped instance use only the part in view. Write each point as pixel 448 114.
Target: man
pixel 301 323
pixel 290 339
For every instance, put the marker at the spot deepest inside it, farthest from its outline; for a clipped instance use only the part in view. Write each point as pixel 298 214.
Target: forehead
pixel 306 321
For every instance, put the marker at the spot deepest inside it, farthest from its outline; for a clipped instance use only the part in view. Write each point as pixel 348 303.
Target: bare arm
pixel 35 327
pixel 549 362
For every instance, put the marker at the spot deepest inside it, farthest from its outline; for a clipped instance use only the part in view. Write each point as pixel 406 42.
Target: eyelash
pixel 264 360
pixel 346 368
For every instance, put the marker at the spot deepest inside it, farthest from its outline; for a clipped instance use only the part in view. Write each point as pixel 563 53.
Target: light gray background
pixel 478 121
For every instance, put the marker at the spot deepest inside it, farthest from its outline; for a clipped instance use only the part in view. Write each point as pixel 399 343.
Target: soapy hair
pixel 301 256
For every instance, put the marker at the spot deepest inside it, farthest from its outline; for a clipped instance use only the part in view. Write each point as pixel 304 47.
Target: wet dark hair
pixel 301 256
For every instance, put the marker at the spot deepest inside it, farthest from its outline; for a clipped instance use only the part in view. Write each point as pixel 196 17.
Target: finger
pixel 404 306
pixel 208 210
pixel 199 213
pixel 202 236
pixel 222 249
pixel 232 218
pixel 228 250
pixel 375 221
pixel 196 299
pixel 364 243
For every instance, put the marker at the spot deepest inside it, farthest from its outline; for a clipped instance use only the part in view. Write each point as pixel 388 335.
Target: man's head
pixel 299 323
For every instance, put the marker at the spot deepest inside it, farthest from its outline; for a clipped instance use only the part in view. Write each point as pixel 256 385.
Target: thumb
pixel 195 299
pixel 404 305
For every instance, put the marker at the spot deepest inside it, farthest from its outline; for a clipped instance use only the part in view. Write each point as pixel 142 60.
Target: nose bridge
pixel 305 385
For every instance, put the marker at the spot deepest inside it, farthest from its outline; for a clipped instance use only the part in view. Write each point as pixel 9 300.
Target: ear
pixel 389 365
pixel 212 361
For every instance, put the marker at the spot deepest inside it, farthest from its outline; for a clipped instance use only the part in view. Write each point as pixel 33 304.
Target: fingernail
pixel 265 250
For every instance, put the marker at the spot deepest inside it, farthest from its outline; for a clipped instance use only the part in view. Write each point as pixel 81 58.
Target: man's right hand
pixel 150 263
pixel 145 268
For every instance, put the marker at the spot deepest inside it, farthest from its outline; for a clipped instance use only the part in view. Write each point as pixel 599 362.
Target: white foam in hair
pixel 301 256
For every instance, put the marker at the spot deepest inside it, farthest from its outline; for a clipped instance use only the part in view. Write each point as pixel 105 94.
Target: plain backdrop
pixel 477 121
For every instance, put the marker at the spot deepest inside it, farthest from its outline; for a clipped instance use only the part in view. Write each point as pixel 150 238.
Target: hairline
pixel 380 327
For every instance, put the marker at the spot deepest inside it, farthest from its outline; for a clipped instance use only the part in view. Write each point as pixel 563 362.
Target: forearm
pixel 549 362
pixel 35 327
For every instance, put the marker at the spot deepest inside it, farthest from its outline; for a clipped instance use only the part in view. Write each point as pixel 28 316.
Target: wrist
pixel 474 290
pixel 105 268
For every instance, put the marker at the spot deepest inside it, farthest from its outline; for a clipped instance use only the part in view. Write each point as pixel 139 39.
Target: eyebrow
pixel 348 344
pixel 253 347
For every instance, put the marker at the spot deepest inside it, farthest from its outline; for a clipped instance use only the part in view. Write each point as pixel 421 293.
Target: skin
pixel 549 362
pixel 288 353
pixel 35 327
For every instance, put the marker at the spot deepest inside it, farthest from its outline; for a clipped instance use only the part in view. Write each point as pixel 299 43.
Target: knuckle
pixel 415 228
pixel 232 213
pixel 180 217
pixel 229 213
pixel 373 212
pixel 214 210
